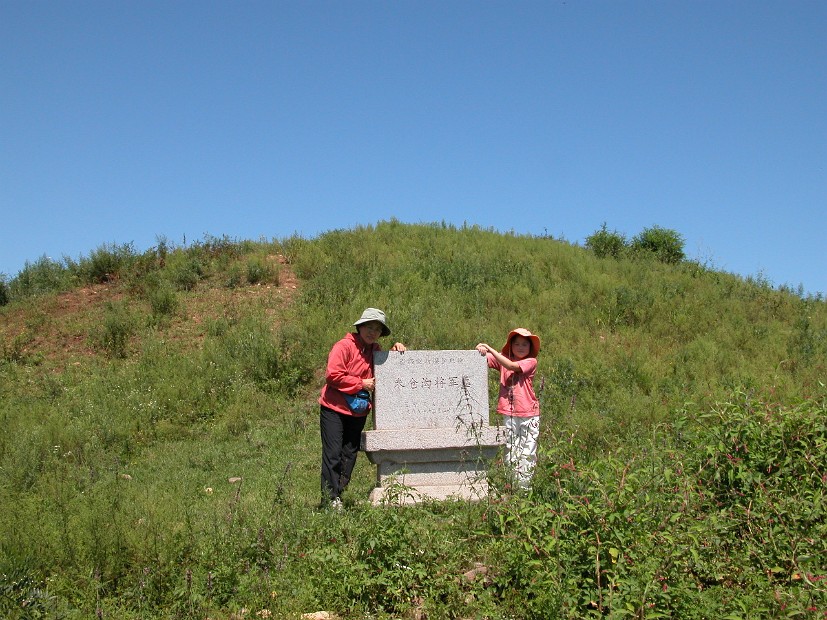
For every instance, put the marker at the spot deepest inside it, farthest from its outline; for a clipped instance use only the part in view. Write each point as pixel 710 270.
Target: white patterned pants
pixel 521 436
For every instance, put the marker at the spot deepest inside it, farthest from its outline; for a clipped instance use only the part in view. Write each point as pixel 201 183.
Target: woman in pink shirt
pixel 517 402
pixel 349 373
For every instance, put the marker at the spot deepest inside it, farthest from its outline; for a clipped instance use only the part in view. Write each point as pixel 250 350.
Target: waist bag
pixel 358 402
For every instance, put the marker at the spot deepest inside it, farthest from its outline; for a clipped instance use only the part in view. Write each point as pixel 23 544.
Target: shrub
pixel 185 271
pixel 606 244
pixel 270 360
pixel 764 466
pixel 667 245
pixel 43 276
pixel 805 342
pixel 15 351
pixel 220 246
pixel 106 262
pixel 234 277
pixel 117 328
pixel 259 270
pixel 163 301
pixel 143 266
pixel 4 292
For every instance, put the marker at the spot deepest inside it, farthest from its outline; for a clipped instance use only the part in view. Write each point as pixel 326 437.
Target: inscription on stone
pixel 430 389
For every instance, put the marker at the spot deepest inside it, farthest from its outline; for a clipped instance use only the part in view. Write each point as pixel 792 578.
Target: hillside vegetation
pixel 159 444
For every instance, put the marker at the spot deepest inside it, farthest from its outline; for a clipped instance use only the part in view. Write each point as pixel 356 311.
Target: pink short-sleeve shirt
pixel 517 397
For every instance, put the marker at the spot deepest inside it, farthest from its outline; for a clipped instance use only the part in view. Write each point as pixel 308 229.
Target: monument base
pixel 406 495
pixel 417 464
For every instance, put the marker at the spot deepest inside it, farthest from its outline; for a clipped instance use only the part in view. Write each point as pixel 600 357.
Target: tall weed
pixel 106 263
pixel 163 301
pixel 43 276
pixel 118 326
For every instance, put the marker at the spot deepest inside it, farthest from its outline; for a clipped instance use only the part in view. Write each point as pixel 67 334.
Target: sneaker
pixel 337 505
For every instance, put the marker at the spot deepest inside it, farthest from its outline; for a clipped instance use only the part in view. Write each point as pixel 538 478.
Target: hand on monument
pixel 398 347
pixel 483 348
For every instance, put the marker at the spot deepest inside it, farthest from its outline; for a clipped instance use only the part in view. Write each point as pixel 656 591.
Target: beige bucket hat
pixel 374 314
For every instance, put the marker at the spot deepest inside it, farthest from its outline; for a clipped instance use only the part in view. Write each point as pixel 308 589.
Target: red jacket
pixel 350 360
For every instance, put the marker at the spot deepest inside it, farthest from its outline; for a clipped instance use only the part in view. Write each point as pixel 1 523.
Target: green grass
pixel 159 438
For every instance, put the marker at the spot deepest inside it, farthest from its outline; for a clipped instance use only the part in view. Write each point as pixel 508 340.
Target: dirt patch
pixel 57 330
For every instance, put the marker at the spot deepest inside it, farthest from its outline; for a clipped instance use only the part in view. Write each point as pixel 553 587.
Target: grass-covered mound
pixel 159 441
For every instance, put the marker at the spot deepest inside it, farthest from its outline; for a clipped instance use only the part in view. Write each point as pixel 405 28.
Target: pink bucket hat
pixel 522 331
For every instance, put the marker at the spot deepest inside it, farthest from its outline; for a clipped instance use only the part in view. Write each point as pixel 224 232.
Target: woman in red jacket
pixel 349 372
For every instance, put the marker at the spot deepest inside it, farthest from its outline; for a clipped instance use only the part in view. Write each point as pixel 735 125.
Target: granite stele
pixel 432 438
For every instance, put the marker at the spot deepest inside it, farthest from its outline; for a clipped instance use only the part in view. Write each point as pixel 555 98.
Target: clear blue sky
pixel 127 121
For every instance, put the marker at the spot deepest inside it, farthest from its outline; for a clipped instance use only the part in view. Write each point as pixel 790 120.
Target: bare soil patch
pixel 56 330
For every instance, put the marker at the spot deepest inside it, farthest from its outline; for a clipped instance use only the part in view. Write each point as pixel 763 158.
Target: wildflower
pixel 208 490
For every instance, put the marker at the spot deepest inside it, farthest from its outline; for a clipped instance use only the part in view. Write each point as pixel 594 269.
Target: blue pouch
pixel 358 402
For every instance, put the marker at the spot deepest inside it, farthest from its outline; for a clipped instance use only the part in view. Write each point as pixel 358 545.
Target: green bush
pixel 708 517
pixel 116 329
pixel 106 263
pixel 259 271
pixel 806 342
pixel 666 245
pixel 269 359
pixel 163 301
pixel 234 276
pixel 4 292
pixel 43 276
pixel 763 466
pixel 606 244
pixel 185 270
pixel 15 350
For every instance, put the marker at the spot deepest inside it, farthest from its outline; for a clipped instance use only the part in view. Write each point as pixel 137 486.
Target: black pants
pixel 341 438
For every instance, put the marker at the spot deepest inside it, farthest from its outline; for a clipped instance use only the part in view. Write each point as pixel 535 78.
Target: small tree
pixel 604 243
pixel 667 245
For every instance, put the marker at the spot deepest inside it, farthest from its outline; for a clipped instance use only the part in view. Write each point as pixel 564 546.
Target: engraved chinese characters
pixel 430 389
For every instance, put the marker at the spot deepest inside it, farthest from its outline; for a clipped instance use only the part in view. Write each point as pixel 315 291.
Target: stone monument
pixel 432 438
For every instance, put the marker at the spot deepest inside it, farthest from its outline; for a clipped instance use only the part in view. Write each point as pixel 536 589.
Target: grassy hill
pixel 159 441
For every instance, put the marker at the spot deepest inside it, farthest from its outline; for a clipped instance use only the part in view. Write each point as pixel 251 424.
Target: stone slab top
pixel 430 439
pixel 430 389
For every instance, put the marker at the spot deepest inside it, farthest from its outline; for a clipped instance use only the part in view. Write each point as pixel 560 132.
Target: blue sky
pixel 129 121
